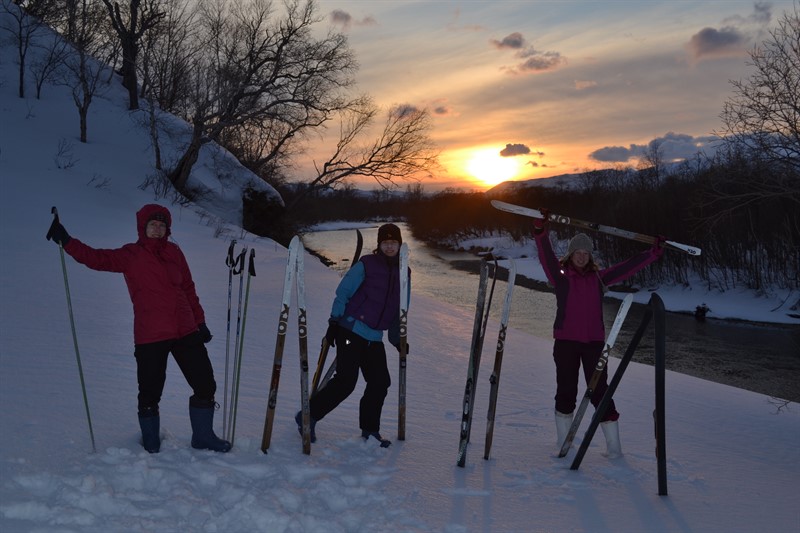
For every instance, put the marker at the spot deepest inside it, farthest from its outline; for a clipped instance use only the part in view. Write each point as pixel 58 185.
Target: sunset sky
pixel 527 89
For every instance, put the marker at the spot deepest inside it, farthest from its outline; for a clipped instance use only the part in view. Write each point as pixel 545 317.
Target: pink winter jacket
pixel 165 304
pixel 579 295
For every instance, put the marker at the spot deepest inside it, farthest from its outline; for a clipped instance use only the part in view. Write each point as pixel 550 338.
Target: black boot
pixel 385 443
pixel 299 419
pixel 150 423
pixel 203 437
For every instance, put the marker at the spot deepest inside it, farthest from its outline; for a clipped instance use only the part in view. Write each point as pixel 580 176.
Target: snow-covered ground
pixel 733 461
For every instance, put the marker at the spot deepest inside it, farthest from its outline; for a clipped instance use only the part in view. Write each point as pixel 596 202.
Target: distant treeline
pixel 745 219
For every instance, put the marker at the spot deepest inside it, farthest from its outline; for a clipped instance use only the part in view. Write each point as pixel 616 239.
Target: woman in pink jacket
pixel 167 318
pixel 578 329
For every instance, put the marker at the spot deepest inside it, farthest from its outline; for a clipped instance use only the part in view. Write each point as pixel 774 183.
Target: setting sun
pixel 489 167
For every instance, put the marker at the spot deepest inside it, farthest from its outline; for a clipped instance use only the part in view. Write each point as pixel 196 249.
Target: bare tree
pixel 403 149
pixel 256 68
pixel 26 20
pixel 651 166
pixel 44 68
pixel 86 64
pixel 166 56
pixel 130 26
pixel 763 115
pixel 761 132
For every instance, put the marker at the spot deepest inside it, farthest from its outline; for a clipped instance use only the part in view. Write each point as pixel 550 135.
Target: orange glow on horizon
pixel 489 168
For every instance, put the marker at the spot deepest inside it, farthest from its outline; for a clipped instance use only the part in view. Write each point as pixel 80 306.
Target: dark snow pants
pixel 354 353
pixel 569 356
pixel 192 357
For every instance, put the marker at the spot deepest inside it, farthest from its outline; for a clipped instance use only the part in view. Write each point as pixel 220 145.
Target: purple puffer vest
pixel 376 303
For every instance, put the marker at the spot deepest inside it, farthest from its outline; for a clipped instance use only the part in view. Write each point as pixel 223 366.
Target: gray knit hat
pixel 581 241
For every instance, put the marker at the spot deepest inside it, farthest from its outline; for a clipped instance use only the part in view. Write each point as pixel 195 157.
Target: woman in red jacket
pixel 167 318
pixel 578 329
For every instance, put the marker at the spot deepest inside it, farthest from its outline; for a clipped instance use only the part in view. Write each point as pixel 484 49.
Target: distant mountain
pixel 565 181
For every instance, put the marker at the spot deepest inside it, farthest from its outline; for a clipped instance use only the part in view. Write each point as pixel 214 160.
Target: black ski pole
pixel 54 211
pixel 251 271
pixel 230 263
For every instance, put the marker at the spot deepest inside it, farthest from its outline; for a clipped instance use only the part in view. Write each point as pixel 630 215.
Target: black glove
pixel 408 348
pixel 57 233
pixel 205 335
pixel 333 329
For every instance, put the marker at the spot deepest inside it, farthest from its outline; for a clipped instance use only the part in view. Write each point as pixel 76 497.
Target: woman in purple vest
pixel 578 330
pixel 367 303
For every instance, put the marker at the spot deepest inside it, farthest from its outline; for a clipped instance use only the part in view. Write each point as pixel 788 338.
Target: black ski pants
pixel 192 357
pixel 569 357
pixel 354 353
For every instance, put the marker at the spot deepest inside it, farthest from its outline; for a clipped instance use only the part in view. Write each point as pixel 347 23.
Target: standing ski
pixel 401 413
pixel 494 379
pixel 283 323
pixel 598 371
pixel 478 332
pixel 302 331
pixel 561 219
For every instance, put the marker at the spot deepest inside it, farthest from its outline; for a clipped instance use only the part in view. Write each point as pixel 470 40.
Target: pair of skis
pixel 295 278
pixel 561 219
pixel 235 268
pixel 598 372
pixel 482 307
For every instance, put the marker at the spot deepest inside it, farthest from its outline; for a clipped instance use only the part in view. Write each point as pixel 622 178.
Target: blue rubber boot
pixel 150 423
pixel 203 437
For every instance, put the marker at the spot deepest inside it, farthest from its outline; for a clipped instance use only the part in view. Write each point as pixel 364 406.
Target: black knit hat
pixel 389 232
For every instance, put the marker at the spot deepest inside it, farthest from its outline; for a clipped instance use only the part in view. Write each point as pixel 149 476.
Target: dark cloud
pixel 512 150
pixel 734 36
pixel 341 17
pixel 613 154
pixel 405 110
pixel 671 147
pixel 345 20
pixel 514 41
pixel 534 60
pixel 539 62
pixel 710 42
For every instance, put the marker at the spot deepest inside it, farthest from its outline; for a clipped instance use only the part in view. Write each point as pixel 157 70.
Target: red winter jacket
pixel 165 304
pixel 579 295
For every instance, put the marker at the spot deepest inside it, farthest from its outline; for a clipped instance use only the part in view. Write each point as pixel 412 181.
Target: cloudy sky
pixel 525 89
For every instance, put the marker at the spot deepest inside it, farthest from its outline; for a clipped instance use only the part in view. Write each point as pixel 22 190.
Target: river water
pixel 762 358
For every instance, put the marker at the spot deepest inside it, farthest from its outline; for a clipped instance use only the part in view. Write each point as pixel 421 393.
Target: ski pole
pixel 54 212
pixel 230 263
pixel 251 271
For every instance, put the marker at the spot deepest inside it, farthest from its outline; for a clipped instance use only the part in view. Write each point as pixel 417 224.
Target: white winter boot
pixel 563 423
pixel 611 432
